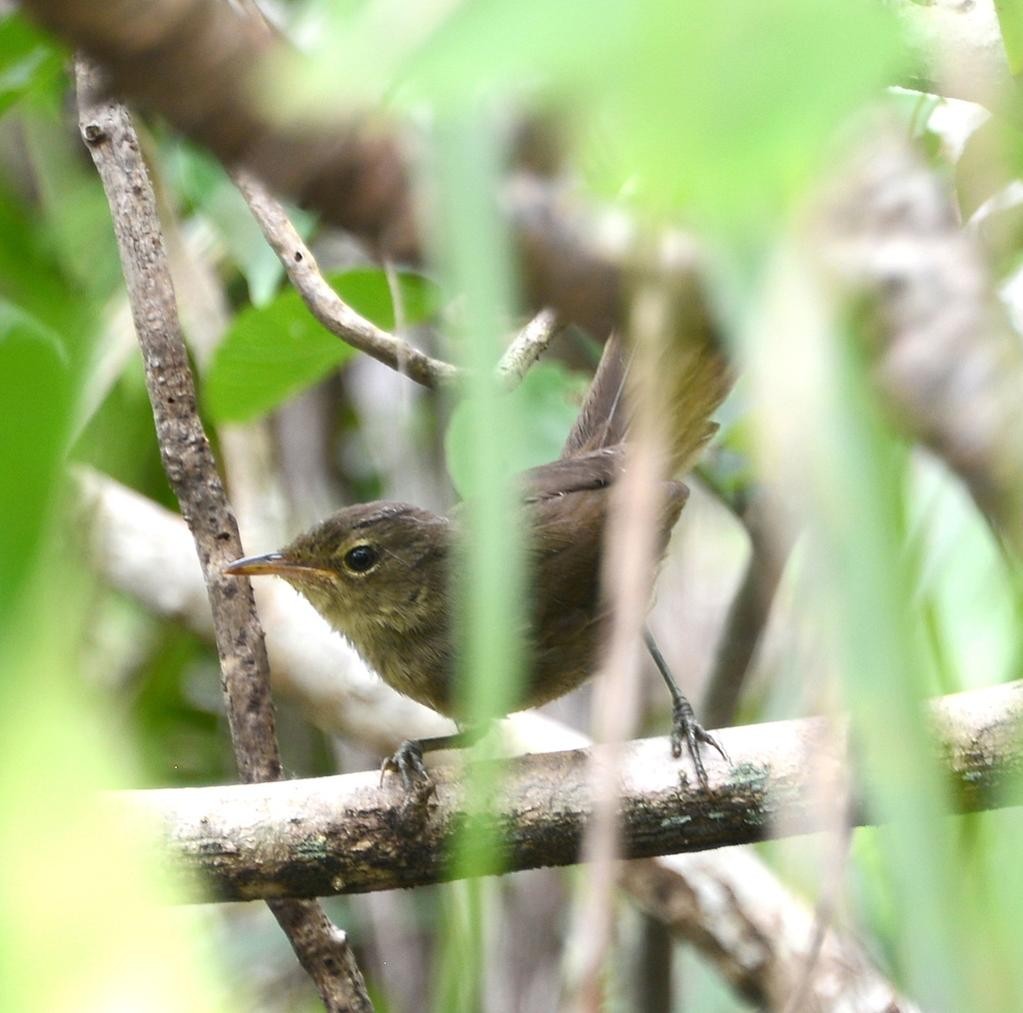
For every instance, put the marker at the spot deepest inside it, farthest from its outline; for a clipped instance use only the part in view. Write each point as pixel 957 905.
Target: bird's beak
pixel 275 563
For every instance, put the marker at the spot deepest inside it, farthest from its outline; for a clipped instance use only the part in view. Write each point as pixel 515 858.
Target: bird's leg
pixel 407 761
pixel 684 726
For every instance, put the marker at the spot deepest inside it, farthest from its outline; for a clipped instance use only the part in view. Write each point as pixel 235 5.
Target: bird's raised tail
pixel 691 378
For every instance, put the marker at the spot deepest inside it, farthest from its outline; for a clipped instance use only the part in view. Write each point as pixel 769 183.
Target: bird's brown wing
pixel 567 513
pixel 596 469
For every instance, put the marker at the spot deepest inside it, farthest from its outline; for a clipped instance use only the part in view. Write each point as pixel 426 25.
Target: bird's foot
pixel 686 729
pixel 407 763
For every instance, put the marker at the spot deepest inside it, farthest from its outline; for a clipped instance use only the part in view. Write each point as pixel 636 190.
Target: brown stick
pixel 351 327
pixel 188 461
pixel 347 834
pixel 324 303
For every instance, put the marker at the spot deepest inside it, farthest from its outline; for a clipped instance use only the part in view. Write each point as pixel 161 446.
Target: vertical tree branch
pixel 188 461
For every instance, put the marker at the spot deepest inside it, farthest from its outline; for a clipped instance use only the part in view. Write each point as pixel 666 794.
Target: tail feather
pixel 694 377
pixel 603 419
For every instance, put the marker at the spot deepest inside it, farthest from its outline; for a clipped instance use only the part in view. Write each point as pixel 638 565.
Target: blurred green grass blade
pixel 966 579
pixel 475 259
pixel 37 384
pixel 81 890
pixel 846 474
pixel 274 351
pixel 1010 21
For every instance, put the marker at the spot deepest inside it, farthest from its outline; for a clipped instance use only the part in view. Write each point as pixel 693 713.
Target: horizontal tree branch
pixel 349 834
pixel 351 169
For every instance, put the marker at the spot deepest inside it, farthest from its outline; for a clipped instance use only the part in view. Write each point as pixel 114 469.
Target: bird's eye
pixel 361 558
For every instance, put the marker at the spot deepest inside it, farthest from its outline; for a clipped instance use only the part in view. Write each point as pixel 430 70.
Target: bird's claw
pixel 407 763
pixel 686 729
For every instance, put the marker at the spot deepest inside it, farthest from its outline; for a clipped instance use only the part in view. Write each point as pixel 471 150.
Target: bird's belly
pixel 422 667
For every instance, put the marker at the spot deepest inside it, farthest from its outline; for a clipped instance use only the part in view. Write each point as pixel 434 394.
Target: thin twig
pixel 530 343
pixel 341 320
pixel 627 576
pixel 324 303
pixel 107 130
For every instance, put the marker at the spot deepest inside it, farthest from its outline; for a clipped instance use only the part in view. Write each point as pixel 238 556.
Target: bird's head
pixel 367 569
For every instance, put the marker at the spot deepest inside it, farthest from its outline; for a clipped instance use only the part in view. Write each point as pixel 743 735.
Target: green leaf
pixel 272 352
pixel 28 60
pixel 548 400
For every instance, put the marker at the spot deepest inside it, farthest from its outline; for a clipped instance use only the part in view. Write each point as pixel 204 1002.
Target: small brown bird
pixel 381 573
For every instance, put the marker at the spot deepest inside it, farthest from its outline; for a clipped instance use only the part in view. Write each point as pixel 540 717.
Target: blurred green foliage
pixel 545 405
pixel 273 351
pixel 710 115
pixel 29 60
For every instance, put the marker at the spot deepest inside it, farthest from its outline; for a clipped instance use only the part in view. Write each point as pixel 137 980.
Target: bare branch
pixel 530 343
pixel 108 133
pixel 757 934
pixel 324 303
pixel 347 834
pixel 630 557
pixel 351 327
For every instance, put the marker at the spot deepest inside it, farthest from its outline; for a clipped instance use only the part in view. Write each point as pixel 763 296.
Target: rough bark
pixel 191 470
pixel 349 834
